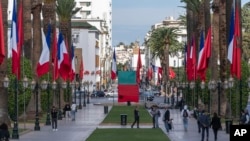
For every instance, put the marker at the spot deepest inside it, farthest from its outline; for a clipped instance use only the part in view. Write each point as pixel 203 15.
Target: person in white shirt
pixel 185 114
pixel 73 111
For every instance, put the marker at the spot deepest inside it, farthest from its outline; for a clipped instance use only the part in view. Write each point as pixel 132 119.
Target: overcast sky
pixel 132 19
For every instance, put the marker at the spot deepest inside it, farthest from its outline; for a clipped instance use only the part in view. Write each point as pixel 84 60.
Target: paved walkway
pixel 89 118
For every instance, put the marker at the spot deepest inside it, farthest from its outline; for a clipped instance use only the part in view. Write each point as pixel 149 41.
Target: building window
pixel 85 4
pixel 174 63
pixel 75 38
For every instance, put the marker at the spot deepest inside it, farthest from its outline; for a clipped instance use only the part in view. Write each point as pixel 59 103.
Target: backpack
pixel 185 113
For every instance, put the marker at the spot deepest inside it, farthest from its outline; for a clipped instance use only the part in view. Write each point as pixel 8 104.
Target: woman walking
pixel 215 124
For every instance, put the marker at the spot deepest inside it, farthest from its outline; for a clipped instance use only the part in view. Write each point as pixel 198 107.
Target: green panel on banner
pixel 126 77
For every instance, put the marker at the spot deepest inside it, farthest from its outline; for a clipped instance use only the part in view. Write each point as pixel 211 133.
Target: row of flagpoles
pixel 198 68
pixel 63 63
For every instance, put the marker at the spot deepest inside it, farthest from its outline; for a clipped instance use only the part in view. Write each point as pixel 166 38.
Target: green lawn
pixel 128 134
pixel 114 115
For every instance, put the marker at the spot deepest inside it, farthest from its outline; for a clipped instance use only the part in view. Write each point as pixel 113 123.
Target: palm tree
pixel 65 9
pixel 4 117
pixel 49 14
pixel 161 42
pixel 26 29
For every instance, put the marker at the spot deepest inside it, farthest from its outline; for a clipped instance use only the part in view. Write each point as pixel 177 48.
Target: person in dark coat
pixel 215 124
pixel 4 132
pixel 166 119
pixel 54 114
pixel 205 123
pixel 136 116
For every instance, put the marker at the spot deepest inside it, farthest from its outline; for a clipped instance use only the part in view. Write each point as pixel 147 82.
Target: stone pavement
pixel 90 117
pixel 87 119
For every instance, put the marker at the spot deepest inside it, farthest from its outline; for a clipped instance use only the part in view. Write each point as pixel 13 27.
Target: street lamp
pixel 34 86
pixel 15 134
pixel 202 88
pixel 192 85
pixel 73 87
pixel 25 85
pixel 78 85
pixel 46 86
pixel 84 84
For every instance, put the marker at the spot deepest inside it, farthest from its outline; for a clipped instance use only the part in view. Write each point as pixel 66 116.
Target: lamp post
pixel 202 88
pixel 80 93
pixel 35 87
pixel 64 86
pixel 192 85
pixel 15 134
pixel 230 85
pixel 88 83
pixel 89 92
pixel 73 87
pixel 25 85
pixel 84 84
pixel 48 104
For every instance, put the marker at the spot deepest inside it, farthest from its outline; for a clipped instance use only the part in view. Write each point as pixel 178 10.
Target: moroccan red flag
pixel 2 47
pixel 236 64
pixel 192 61
pixel 150 73
pixel 138 68
pixel 171 73
pixel 54 57
pixel 124 95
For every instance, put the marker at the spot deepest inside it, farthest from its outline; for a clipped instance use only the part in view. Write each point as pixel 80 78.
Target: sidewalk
pixel 178 133
pixel 90 117
pixel 87 119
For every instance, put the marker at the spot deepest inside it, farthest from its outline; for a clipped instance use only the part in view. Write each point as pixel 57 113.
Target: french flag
pixel 204 54
pixel 14 42
pixel 114 69
pixel 231 38
pixel 43 64
pixel 63 58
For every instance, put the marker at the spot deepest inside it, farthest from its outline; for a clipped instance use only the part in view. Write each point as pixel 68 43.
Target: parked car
pixel 149 96
pixel 111 94
pixel 98 94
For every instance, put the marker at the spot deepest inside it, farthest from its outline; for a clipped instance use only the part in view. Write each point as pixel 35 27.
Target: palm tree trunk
pixel 4 117
pixel 215 53
pixel 223 52
pixel 26 29
pixel 37 47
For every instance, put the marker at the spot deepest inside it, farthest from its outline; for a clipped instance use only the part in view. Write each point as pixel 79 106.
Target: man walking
pixel 205 123
pixel 166 119
pixel 136 116
pixel 73 111
pixel 54 113
pixel 185 115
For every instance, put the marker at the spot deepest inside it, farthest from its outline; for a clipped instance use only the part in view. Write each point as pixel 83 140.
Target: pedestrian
pixel 197 113
pixel 54 115
pixel 205 123
pixel 155 116
pixel 4 132
pixel 244 119
pixel 215 124
pixel 67 110
pixel 166 119
pixel 136 117
pixel 73 111
pixel 185 115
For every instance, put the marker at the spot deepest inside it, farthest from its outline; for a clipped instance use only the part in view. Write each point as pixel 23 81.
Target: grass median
pixel 125 134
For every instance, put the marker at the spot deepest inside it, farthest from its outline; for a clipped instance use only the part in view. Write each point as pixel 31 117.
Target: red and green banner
pixel 128 89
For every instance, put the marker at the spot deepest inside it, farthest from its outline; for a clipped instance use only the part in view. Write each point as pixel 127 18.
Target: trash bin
pixel 106 109
pixel 123 119
pixel 128 103
pixel 228 122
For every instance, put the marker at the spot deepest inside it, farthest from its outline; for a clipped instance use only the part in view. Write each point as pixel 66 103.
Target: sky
pixel 132 19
